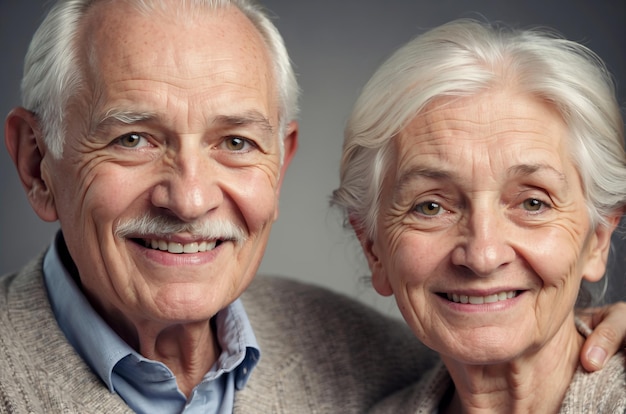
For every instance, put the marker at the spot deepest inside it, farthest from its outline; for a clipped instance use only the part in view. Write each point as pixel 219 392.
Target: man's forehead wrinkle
pixel 173 83
pixel 169 72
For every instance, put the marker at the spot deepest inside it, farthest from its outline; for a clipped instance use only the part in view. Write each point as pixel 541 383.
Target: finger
pixel 608 336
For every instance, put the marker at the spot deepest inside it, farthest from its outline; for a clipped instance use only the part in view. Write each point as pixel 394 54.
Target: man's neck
pixel 189 350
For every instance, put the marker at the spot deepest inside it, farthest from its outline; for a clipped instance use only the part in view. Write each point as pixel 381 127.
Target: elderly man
pixel 158 133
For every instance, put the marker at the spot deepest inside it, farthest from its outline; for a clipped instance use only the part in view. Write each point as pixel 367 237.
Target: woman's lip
pixel 481 299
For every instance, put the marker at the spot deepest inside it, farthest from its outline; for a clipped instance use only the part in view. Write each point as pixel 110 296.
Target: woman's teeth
pixel 479 300
pixel 175 247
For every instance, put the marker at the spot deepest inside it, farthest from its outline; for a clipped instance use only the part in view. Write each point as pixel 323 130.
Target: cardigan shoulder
pixel 321 350
pixel 603 391
pixel 41 372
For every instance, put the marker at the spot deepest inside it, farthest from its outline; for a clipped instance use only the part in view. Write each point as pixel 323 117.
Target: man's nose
pixel 484 245
pixel 191 188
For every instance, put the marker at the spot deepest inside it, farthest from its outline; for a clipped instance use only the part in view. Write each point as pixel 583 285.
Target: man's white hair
pixel 53 72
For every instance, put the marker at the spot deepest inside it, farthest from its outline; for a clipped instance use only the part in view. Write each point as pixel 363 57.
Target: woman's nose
pixel 484 246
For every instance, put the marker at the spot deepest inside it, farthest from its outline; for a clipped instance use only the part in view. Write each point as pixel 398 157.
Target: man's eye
pixel 236 143
pixel 429 208
pixel 533 204
pixel 132 140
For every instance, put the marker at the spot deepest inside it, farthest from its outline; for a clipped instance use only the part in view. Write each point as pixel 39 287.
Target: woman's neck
pixel 534 382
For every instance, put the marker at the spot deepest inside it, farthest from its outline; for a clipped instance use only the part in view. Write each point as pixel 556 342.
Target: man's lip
pixel 176 246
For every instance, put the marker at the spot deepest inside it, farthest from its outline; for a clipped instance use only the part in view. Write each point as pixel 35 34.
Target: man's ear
pixel 599 247
pixel 370 249
pixel 290 146
pixel 24 142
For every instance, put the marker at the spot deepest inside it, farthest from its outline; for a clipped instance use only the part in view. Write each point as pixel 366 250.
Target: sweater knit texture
pixel 321 352
pixel 601 392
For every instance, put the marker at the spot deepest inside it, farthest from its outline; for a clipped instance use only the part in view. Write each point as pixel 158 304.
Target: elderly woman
pixel 484 172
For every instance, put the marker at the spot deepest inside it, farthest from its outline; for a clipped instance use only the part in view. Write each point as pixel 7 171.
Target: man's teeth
pixel 174 247
pixel 479 300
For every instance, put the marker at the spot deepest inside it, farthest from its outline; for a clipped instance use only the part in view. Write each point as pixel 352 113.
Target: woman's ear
pixel 370 249
pixel 24 142
pixel 599 247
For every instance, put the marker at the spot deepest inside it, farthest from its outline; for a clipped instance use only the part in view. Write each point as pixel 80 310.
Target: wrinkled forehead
pixel 494 128
pixel 120 41
pixel 117 29
pixel 485 115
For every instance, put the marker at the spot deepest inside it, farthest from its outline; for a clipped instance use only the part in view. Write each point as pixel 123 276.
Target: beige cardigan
pixel 320 353
pixel 601 392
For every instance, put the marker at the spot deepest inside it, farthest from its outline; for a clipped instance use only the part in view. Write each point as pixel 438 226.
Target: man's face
pixel 183 126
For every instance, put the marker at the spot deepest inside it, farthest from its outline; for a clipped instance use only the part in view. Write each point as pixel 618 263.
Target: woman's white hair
pixel 53 72
pixel 463 58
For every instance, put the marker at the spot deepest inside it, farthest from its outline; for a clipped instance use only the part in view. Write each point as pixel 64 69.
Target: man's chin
pixel 191 302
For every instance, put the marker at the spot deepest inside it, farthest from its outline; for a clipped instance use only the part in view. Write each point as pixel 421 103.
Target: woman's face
pixel 483 234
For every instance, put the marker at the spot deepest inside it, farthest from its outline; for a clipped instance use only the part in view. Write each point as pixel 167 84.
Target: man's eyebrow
pixel 127 117
pixel 250 118
pixel 120 116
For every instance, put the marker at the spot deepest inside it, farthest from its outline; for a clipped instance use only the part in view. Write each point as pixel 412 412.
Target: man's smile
pixel 176 247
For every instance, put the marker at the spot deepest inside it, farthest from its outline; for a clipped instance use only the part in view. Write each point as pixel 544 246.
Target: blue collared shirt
pixel 149 386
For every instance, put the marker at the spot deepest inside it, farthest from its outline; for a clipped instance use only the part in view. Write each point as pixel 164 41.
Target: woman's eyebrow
pixel 422 172
pixel 531 169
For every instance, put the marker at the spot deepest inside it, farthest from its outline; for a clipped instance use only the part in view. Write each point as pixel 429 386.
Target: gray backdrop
pixel 335 45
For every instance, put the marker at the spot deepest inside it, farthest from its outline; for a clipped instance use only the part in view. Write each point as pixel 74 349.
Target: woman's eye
pixel 533 204
pixel 132 140
pixel 429 208
pixel 236 143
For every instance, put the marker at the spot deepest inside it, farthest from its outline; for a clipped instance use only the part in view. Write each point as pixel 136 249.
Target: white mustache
pixel 164 226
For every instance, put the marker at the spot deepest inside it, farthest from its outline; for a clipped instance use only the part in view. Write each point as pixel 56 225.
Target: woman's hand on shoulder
pixel 608 336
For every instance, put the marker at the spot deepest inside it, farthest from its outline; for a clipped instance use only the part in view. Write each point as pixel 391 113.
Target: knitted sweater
pixel 601 392
pixel 320 353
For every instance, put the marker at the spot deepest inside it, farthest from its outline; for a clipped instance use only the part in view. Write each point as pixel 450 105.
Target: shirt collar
pixel 240 350
pixel 88 333
pixel 102 348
